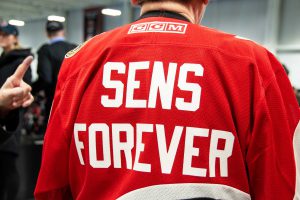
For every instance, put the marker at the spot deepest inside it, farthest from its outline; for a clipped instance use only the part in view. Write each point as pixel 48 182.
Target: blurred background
pixel 274 24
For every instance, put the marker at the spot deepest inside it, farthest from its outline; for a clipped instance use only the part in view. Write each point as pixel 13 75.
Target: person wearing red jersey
pixel 163 108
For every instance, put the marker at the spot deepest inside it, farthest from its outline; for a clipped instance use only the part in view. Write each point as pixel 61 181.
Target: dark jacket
pixel 50 58
pixel 4 135
pixel 13 121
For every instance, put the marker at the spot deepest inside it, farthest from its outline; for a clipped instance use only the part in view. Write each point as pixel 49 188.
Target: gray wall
pixel 290 24
pixel 241 17
pixel 33 35
pixel 75 26
pixel 292 61
pixel 289 39
pixel 113 22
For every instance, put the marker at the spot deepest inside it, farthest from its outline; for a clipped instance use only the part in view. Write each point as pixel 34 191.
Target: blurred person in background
pixel 297 92
pixel 12 56
pixel 14 93
pixel 50 58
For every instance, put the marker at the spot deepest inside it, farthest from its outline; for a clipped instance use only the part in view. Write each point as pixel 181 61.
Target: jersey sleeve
pixel 53 180
pixel 270 156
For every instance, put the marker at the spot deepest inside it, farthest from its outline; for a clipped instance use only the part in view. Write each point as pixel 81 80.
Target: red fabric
pixel 244 91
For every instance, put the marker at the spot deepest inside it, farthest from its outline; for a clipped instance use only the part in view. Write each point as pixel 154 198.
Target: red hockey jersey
pixel 165 109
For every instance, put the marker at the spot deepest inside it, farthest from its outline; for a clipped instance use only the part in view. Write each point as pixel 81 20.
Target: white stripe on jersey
pixel 186 191
pixel 297 159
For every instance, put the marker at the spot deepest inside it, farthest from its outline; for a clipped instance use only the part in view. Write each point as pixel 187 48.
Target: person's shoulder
pixel 230 46
pixel 73 54
pixel 95 44
pixel 16 56
pixel 43 48
pixel 86 53
pixel 72 45
pixel 65 43
pixel 227 43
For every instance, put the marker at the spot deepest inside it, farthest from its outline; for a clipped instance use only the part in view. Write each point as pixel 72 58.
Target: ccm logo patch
pixel 162 27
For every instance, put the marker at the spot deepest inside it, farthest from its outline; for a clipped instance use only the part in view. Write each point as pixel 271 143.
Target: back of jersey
pixel 164 109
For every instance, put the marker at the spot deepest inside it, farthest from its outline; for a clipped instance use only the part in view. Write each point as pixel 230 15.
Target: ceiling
pixel 27 10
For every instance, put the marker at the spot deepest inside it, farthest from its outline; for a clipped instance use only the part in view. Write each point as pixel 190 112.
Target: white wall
pixel 241 17
pixel 289 39
pixel 292 62
pixel 33 35
pixel 75 26
pixel 290 25
pixel 110 22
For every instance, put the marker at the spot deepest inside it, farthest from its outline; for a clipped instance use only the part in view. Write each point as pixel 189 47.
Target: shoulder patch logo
pixel 74 51
pixel 161 27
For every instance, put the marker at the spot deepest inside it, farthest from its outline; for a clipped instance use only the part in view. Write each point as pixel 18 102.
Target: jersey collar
pixel 163 13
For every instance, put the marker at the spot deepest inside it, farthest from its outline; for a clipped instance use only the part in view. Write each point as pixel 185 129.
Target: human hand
pixel 15 93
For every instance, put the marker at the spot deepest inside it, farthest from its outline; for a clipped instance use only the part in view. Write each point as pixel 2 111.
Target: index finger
pixel 22 68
